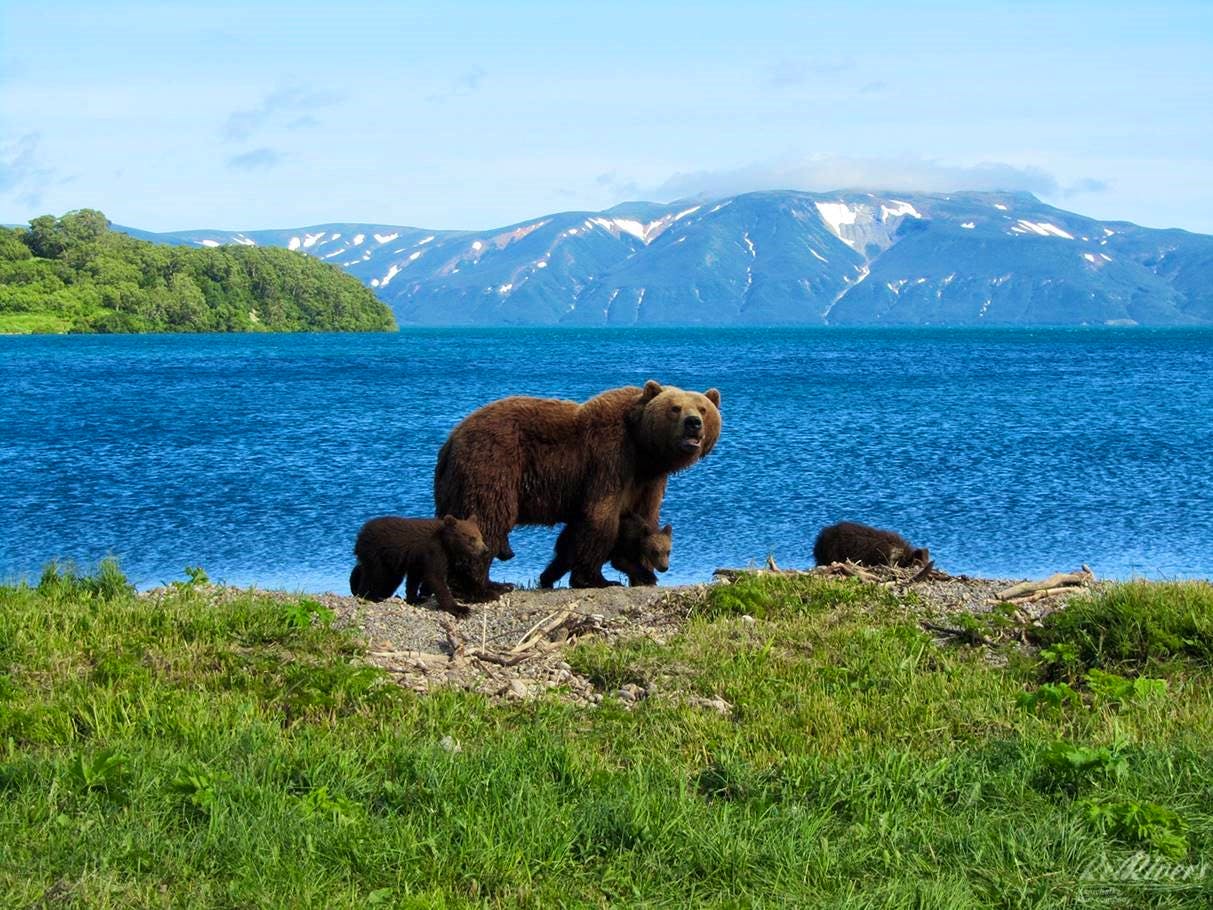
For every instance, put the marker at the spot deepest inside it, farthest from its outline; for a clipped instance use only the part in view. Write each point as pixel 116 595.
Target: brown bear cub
pixel 389 549
pixel 867 546
pixel 640 551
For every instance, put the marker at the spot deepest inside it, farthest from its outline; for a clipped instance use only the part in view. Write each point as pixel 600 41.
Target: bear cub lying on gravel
pixel 390 548
pixel 868 546
pixel 640 550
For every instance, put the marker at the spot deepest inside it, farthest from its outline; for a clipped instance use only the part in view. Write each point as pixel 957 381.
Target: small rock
pixel 449 744
pixel 631 692
pixel 747 620
pixel 715 703
pixel 518 689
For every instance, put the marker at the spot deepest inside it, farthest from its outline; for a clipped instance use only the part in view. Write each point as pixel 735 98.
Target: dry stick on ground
pixel 1040 595
pixel 970 636
pixel 453 639
pixel 424 657
pixel 545 626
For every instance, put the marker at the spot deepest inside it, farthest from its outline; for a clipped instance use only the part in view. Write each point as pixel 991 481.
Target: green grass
pixel 1137 626
pixel 203 751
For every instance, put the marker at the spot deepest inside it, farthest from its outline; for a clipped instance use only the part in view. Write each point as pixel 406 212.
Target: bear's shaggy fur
pixel 641 550
pixel 544 461
pixel 390 548
pixel 849 540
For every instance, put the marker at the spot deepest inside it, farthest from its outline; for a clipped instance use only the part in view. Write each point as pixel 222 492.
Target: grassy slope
pixel 197 753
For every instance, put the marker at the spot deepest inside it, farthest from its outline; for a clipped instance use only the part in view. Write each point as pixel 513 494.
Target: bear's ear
pixel 474 519
pixel 713 395
pixel 651 390
pixel 449 520
pixel 668 530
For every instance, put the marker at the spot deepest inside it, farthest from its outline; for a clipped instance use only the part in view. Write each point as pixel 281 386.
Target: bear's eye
pixel 676 409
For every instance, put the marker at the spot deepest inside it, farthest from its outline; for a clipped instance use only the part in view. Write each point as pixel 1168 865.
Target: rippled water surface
pixel 258 456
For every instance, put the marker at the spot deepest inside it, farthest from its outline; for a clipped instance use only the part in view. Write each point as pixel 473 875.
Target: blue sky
pixel 473 115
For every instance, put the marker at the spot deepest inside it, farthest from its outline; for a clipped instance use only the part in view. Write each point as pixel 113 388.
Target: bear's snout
pixel 693 423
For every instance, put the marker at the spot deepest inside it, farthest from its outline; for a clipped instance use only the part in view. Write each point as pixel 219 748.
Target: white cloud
pixel 292 101
pixel 257 160
pixel 21 173
pixel 822 174
pixel 465 83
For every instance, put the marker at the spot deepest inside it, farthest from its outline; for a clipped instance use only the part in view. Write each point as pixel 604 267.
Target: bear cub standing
pixel 390 548
pixel 640 551
pixel 868 546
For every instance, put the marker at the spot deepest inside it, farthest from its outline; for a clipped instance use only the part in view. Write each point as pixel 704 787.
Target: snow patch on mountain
pixel 1042 228
pixel 836 214
pixel 898 209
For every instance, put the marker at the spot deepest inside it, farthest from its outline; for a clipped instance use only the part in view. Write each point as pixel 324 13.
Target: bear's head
pixel 461 537
pixel 673 427
pixel 919 556
pixel 655 549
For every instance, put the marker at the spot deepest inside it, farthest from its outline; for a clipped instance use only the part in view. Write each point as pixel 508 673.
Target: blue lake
pixel 1007 452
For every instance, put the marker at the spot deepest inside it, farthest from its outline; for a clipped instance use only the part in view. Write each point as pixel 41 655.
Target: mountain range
pixel 777 258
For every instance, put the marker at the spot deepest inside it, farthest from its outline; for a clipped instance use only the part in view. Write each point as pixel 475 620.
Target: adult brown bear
pixel 544 461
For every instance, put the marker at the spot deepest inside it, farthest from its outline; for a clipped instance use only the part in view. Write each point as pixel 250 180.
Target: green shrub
pixel 1117 689
pixel 1051 697
pixel 1070 766
pixel 1135 625
pixel 1135 822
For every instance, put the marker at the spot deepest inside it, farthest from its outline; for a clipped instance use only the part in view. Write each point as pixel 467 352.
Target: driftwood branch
pixel 504 660
pixel 1054 584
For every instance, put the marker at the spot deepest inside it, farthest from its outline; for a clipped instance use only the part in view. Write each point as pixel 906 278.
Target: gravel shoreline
pixel 514 648
pixel 424 649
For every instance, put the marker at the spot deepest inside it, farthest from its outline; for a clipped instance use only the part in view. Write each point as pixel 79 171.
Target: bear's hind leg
pixel 561 562
pixel 375 583
pixel 593 539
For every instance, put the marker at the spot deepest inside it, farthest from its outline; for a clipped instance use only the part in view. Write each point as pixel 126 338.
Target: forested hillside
pixel 74 274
